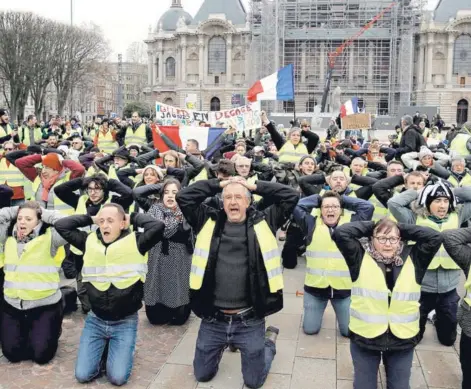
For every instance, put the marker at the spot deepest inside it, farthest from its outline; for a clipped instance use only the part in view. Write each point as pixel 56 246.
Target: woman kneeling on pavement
pixel 384 311
pixel 114 270
pixel 32 308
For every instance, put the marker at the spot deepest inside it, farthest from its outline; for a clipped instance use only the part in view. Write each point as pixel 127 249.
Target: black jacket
pixel 114 303
pixel 412 140
pixel 422 253
pixel 282 201
pixel 384 189
pixel 311 144
pixel 314 183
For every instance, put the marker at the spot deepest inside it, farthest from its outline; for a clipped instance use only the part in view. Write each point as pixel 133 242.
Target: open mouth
pixel 106 233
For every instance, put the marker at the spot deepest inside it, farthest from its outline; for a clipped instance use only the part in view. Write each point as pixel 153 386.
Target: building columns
pixel 303 63
pixel 421 64
pixel 351 64
pixel 161 67
pixel 429 61
pixel 184 46
pixel 449 61
pixel 150 66
pixel 201 57
pixel 229 59
pixel 322 63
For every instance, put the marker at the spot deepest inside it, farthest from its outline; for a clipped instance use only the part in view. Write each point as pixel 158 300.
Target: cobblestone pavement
pixel 164 357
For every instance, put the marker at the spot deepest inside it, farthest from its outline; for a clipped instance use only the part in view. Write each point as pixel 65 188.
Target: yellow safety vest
pixel 138 137
pixel 91 171
pixel 348 173
pixel 35 274
pixel 268 246
pixel 2 256
pixel 202 176
pixel 458 145
pixel 59 205
pixel 10 174
pixel 325 265
pixel 371 313
pixel 467 287
pixel 82 210
pixel 252 180
pixel 289 153
pixel 3 132
pixel 442 258
pixel 380 211
pixel 37 135
pixel 106 143
pixel 112 173
pixel 120 264
pixel 466 181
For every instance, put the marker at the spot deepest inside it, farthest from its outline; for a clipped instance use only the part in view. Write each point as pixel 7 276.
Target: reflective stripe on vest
pixel 120 263
pixel 35 274
pixel 442 258
pixel 58 204
pixel 325 265
pixel 289 153
pixel 138 137
pixel 268 247
pixel 374 308
pixel 10 174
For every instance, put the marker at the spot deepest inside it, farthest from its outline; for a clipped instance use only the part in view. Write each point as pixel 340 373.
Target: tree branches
pixel 35 52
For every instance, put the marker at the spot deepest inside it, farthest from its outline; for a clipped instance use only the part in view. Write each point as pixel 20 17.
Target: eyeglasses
pixel 91 190
pixel 384 239
pixel 8 149
pixel 331 207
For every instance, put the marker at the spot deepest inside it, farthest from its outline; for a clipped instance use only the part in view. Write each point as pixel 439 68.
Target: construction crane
pixel 332 56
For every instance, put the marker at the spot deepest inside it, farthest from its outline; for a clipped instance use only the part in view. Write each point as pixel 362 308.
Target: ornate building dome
pixel 169 20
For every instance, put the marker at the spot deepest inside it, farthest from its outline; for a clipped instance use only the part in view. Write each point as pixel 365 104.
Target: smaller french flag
pixel 278 86
pixel 349 108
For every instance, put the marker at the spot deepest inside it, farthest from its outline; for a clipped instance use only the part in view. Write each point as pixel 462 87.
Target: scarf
pixel 436 220
pixel 47 184
pixel 172 219
pixel 378 257
pixel 28 238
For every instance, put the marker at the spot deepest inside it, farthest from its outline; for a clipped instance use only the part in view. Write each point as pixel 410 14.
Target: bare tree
pixel 77 50
pixel 137 53
pixel 17 32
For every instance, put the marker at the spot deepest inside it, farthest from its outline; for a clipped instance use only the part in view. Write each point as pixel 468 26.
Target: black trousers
pixel 31 334
pixel 161 314
pixel 465 359
pixel 446 307
pixel 294 240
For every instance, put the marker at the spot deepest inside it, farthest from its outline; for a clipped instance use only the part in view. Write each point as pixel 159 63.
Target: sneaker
pixel 272 333
pixel 432 317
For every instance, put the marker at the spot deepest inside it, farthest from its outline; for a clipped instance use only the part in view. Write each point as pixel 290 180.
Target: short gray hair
pixel 458 159
pixel 248 193
pixel 407 119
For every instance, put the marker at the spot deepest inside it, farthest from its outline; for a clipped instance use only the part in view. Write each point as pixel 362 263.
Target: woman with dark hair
pixel 167 289
pixel 32 313
pixel 386 277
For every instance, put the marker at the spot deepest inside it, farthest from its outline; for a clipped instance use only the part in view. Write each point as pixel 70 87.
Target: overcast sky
pixel 123 22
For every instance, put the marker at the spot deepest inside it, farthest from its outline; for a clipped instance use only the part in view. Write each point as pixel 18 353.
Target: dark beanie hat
pixel 3 111
pixel 122 153
pixel 435 191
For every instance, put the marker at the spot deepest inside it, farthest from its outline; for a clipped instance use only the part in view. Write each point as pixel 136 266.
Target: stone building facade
pixel 205 56
pixel 443 61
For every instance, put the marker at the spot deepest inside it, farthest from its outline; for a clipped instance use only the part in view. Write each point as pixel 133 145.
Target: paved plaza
pixel 164 357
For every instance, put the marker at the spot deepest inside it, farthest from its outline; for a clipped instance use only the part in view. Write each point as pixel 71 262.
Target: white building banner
pixel 244 118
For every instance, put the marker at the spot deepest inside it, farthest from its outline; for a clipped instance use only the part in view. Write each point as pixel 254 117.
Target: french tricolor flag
pixel 349 108
pixel 278 86
pixel 179 135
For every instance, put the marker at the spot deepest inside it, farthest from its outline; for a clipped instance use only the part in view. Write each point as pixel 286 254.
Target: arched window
pixel 215 104
pixel 170 67
pixel 462 55
pixel 462 112
pixel 168 101
pixel 217 55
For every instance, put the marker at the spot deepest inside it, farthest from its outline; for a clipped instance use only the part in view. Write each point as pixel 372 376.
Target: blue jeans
pixel 366 362
pixel 248 336
pixel 121 336
pixel 314 308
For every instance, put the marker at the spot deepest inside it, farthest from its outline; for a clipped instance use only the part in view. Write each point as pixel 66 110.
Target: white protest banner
pixel 244 118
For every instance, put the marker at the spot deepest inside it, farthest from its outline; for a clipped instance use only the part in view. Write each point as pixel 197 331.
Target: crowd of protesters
pixel 383 228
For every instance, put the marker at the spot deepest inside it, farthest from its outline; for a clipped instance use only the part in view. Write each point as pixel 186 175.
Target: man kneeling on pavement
pixel 236 274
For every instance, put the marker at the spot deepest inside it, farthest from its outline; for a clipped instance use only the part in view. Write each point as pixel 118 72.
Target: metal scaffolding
pixel 377 68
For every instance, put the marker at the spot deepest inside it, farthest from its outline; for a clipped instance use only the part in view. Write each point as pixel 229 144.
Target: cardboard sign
pixel 358 121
